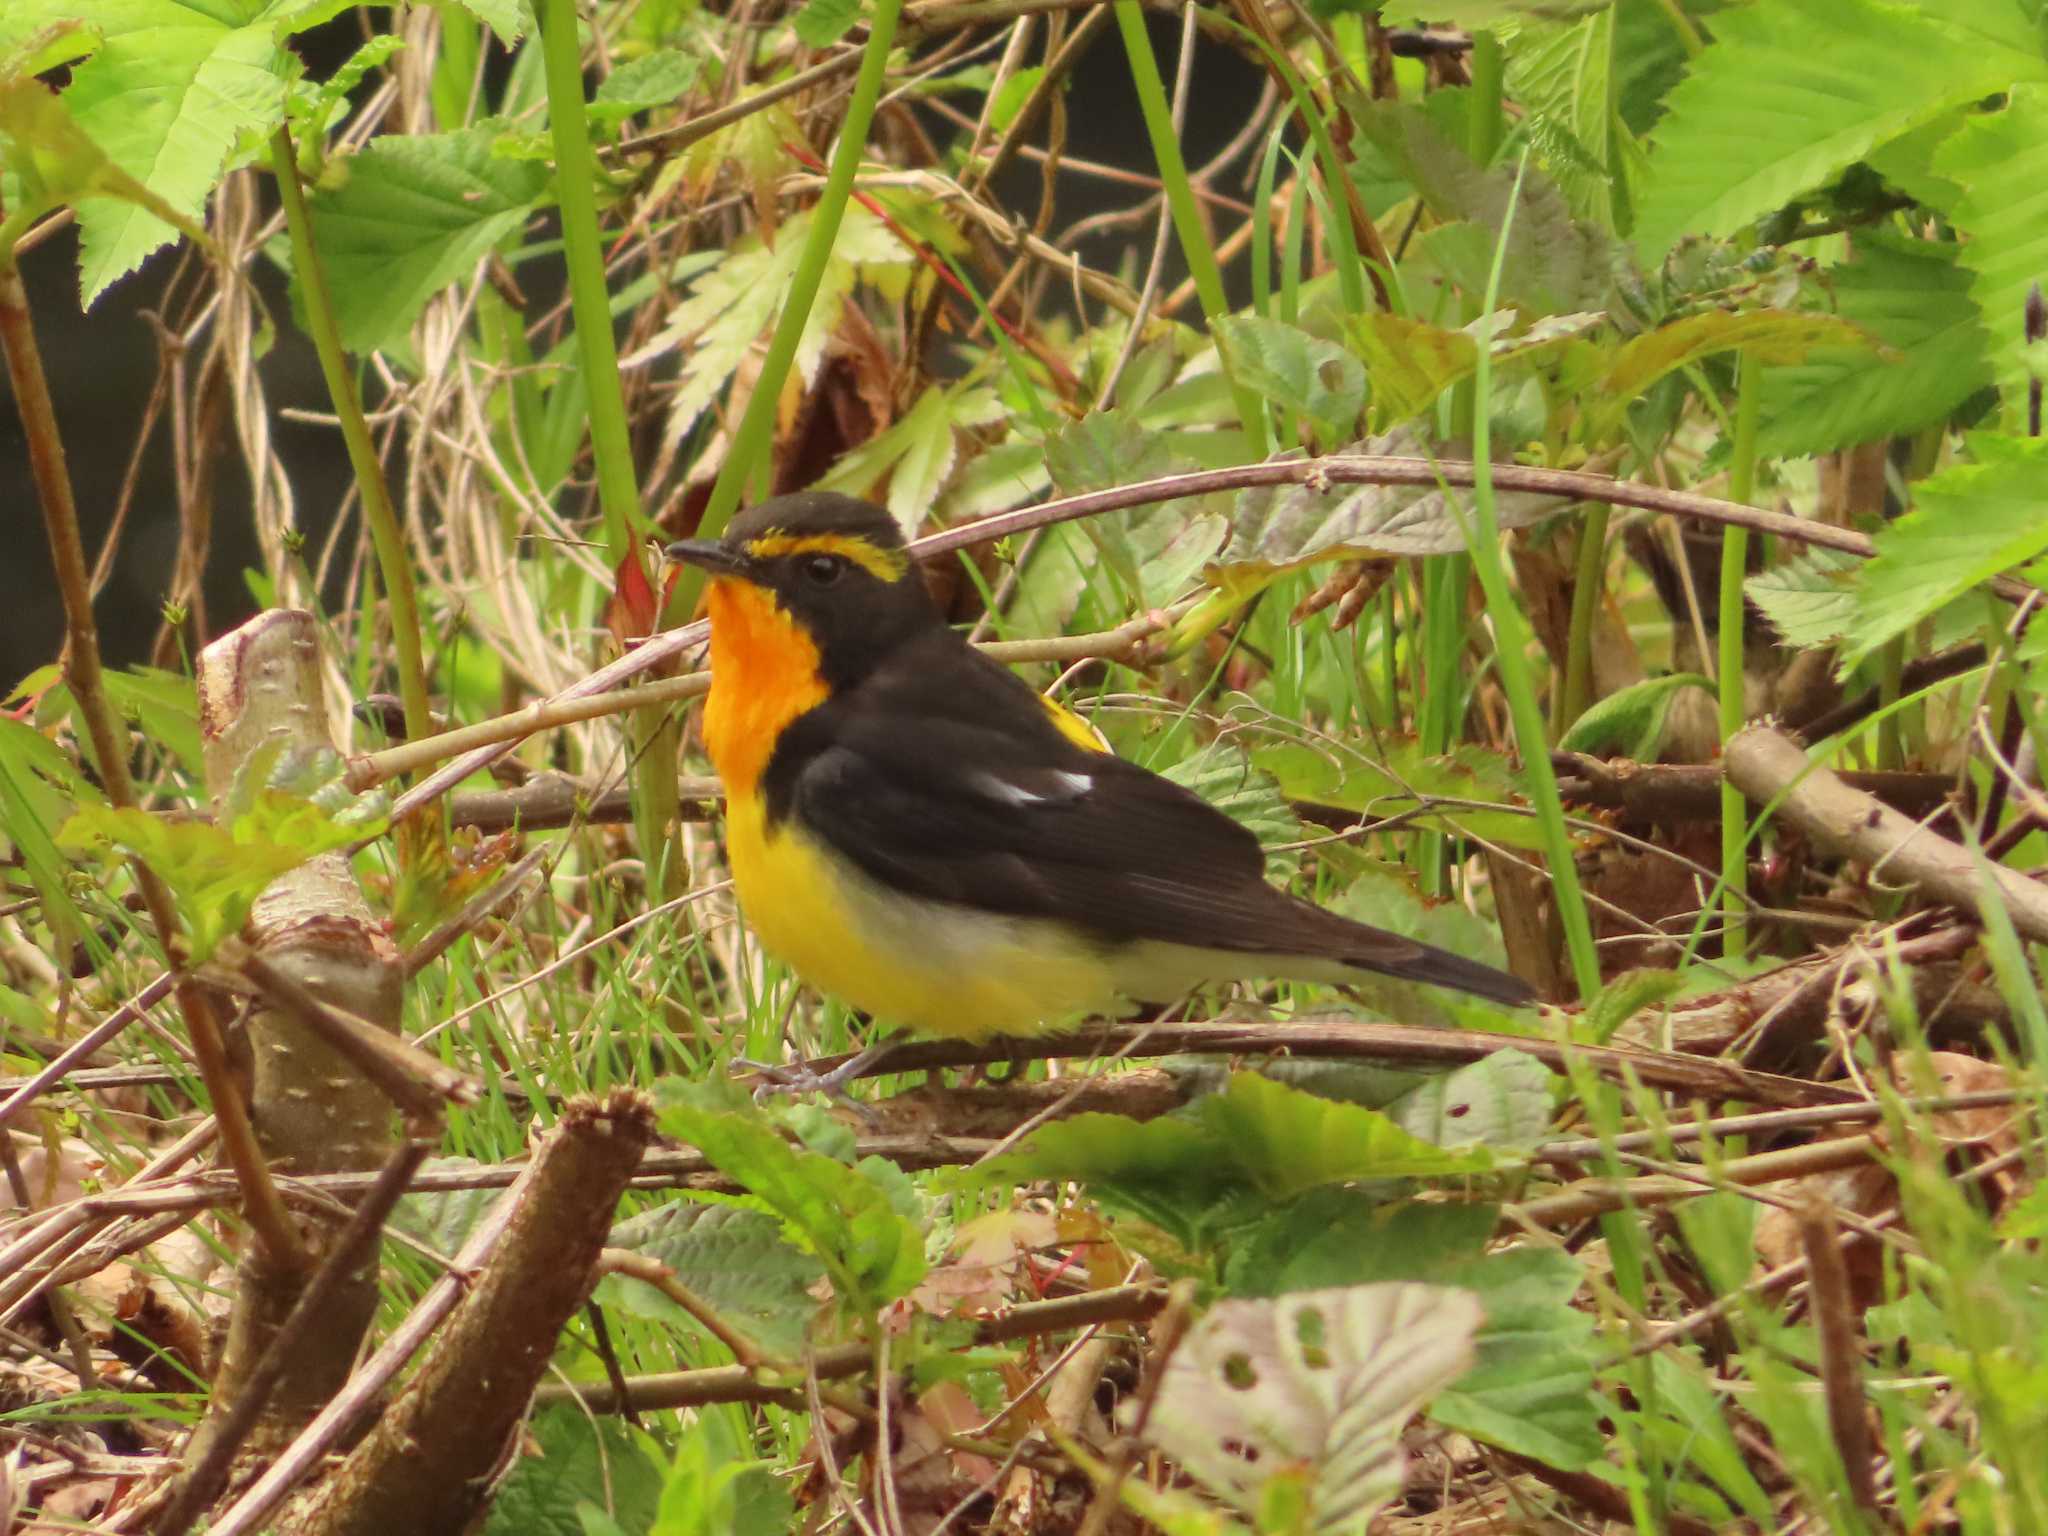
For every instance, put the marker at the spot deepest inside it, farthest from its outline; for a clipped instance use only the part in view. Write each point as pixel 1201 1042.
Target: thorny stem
pixel 265 1209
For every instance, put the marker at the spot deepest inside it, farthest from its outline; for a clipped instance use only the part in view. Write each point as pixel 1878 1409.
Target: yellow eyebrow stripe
pixel 882 564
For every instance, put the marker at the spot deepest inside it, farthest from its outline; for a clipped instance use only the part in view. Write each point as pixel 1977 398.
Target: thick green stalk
pixel 1180 201
pixel 756 431
pixel 386 537
pixel 1730 675
pixel 655 737
pixel 1489 77
pixel 1511 652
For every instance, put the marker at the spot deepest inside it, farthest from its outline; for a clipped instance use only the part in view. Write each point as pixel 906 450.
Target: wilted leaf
pixel 1282 527
pixel 1316 1387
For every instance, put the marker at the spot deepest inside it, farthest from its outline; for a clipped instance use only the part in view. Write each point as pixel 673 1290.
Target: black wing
pixel 942 776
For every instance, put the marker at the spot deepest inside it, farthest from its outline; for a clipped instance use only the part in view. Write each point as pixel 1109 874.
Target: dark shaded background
pixel 102 366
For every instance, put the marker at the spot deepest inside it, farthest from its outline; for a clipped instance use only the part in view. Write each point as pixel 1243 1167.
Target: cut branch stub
pixel 260 688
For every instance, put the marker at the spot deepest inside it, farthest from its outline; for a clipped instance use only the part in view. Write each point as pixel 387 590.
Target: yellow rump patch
pixel 1073 727
pixel 882 564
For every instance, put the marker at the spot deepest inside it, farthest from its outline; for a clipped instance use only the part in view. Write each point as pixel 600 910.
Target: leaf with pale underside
pixel 1311 1389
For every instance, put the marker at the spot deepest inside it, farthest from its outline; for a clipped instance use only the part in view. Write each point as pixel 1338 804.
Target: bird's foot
pixel 800 1077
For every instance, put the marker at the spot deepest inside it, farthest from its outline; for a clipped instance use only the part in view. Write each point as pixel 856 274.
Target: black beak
pixel 709 555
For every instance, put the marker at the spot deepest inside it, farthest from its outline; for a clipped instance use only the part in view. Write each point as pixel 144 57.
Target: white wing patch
pixel 1046 788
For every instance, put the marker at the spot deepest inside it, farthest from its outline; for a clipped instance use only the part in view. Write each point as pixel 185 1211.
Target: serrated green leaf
pixel 1531 1389
pixel 1311 1390
pixel 653 80
pixel 216 873
pixel 872 1254
pixel 415 213
pixel 1561 74
pixel 2000 160
pixel 1622 999
pixel 1410 362
pixel 917 452
pixel 1225 777
pixel 1969 523
pixel 1554 264
pixel 1154 550
pixel 1330 1237
pixel 1630 721
pixel 734 1258
pixel 1302 374
pixel 1810 599
pixel 821 23
pixel 1913 297
pixel 1287 1141
pixel 1791 92
pixel 507 19
pixel 583 1459
pixel 171 90
pixel 731 305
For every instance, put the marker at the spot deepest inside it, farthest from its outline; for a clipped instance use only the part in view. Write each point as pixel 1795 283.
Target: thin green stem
pixel 386 537
pixel 1730 678
pixel 1512 641
pixel 1180 201
pixel 756 432
pixel 1589 588
pixel 654 737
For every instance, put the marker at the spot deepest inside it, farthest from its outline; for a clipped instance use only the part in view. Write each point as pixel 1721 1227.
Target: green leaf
pixel 1281 527
pixel 1630 993
pixel 1911 296
pixel 1969 523
pixel 730 306
pixel 917 452
pixel 1404 782
pixel 415 213
pixel 1768 335
pixel 2001 158
pixel 1562 75
pixel 216 873
pixel 1531 1389
pixel 582 1459
pixel 1156 550
pixel 1792 92
pixel 735 1258
pixel 1302 374
pixel 1225 777
pixel 653 80
pixel 872 1254
pixel 821 23
pixel 1332 1237
pixel 1554 264
pixel 55 161
pixel 1502 1101
pixel 1810 599
pixel 1410 363
pixel 172 88
pixel 1630 721
pixel 1312 1389
pixel 1255 1132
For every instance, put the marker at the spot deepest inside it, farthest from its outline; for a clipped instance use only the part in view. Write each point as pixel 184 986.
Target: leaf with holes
pixel 1501 1101
pixel 1302 374
pixel 1312 1389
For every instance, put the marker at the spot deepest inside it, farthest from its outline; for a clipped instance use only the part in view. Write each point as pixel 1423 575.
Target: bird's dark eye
pixel 823 570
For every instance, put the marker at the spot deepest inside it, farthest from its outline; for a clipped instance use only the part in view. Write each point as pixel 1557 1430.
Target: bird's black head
pixel 835 565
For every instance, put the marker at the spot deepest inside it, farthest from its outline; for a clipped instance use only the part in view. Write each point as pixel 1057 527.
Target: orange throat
pixel 764 674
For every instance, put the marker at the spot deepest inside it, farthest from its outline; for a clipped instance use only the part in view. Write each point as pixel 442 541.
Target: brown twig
pixel 1350 1039
pixel 738 1384
pixel 353 1247
pixel 1671 792
pixel 1596 1197
pixel 1769 767
pixel 1834 1313
pixel 266 1213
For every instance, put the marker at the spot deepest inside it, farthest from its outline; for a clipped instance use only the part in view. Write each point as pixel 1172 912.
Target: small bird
pixel 915 830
